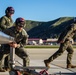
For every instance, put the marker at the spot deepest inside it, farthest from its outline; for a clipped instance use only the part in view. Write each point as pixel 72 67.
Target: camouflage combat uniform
pixel 5 22
pixel 21 38
pixel 66 37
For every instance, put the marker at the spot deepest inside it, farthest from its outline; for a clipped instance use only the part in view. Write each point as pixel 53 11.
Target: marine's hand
pixel 13 44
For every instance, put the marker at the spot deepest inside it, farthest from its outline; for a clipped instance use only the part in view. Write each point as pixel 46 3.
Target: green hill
pixel 48 29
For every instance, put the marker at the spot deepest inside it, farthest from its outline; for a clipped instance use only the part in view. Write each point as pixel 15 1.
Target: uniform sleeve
pixel 24 41
pixel 25 38
pixel 2 23
pixel 68 33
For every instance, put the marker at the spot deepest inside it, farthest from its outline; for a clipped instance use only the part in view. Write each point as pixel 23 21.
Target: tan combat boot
pixel 71 66
pixel 2 70
pixel 47 64
pixel 7 68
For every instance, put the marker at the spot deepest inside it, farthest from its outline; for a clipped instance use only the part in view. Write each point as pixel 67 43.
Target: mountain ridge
pixel 49 29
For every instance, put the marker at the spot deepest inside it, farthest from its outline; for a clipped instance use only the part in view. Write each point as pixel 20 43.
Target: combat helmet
pixel 9 10
pixel 20 22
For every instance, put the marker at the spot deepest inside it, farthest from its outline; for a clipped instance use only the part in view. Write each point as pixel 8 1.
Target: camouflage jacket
pixel 68 33
pixel 20 37
pixel 5 22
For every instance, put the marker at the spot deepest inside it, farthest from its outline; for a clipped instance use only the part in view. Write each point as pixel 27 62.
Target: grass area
pixel 44 46
pixel 41 46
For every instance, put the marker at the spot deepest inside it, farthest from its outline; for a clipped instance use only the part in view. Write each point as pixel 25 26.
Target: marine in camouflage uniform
pixel 65 44
pixel 21 39
pixel 6 22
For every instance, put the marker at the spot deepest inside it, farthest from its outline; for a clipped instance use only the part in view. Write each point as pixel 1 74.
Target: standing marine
pixel 6 22
pixel 21 39
pixel 65 44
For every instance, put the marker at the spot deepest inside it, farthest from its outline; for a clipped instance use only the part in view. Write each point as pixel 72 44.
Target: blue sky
pixel 40 10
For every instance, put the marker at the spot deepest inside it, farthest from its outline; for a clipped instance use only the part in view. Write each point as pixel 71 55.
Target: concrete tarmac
pixel 38 55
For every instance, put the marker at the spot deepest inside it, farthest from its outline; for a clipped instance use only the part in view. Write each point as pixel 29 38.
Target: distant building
pixel 51 41
pixel 35 41
pixel 39 41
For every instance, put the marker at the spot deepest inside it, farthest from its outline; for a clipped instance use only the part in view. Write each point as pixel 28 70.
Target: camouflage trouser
pixel 19 52
pixel 2 57
pixel 22 53
pixel 63 46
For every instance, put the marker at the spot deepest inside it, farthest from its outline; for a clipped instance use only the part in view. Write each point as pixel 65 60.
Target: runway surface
pixel 58 66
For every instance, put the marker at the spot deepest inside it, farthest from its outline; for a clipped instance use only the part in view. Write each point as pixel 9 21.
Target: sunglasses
pixel 20 26
pixel 11 12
